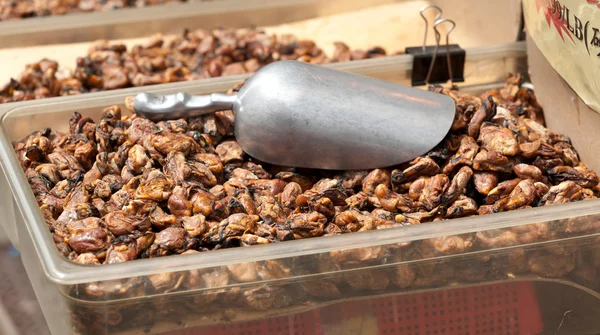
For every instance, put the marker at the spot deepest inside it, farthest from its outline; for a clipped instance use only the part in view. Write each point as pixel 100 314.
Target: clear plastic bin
pixel 173 18
pixel 170 18
pixel 296 276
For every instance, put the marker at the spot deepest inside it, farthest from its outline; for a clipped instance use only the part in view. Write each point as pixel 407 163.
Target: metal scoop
pixel 292 113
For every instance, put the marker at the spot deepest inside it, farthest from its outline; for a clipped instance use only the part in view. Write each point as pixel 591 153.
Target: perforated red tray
pixel 499 309
pixel 307 323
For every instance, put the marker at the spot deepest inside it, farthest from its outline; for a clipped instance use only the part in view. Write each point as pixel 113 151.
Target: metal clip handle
pixel 438 37
pixel 437 17
pixel 156 107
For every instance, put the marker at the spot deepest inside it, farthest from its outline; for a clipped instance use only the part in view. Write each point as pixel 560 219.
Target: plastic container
pixel 295 276
pixel 171 18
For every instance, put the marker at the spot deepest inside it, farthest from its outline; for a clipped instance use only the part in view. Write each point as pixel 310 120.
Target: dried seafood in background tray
pixel 22 9
pixel 193 55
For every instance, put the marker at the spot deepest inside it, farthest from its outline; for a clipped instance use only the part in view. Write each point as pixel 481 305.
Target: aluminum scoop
pixel 292 113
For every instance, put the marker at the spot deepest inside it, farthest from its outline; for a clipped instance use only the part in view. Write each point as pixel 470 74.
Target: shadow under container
pixel 557 244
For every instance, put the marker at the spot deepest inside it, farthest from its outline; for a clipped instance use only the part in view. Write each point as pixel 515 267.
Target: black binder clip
pixel 428 65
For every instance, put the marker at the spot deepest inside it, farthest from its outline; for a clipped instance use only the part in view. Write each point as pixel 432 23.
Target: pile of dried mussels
pixel 164 59
pixel 124 188
pixel 21 9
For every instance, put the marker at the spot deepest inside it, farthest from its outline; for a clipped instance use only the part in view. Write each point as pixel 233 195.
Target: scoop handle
pixel 157 107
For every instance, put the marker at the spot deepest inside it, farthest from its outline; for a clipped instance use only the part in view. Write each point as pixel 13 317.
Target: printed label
pixel 568 34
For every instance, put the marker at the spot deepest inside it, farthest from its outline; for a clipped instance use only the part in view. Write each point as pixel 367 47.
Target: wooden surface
pixel 391 26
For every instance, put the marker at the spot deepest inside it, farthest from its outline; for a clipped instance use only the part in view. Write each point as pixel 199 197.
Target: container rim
pixel 105 24
pixel 64 272
pixel 79 20
pixel 124 15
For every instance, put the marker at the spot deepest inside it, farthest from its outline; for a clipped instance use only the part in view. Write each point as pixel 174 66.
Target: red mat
pixel 499 309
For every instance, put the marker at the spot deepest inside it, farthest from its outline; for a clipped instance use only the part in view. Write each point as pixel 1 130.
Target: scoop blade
pixel 297 114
